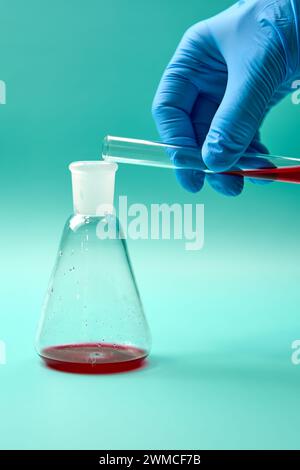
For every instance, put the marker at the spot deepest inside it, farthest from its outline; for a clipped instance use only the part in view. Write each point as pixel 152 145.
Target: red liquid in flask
pixel 94 358
pixel 285 174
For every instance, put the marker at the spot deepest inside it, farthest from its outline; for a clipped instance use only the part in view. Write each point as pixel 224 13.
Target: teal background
pixel 222 319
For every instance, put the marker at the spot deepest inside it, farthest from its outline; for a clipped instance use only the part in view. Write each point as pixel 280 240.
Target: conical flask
pixel 92 319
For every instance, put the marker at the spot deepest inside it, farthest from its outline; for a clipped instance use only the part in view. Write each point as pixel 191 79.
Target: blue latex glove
pixel 225 75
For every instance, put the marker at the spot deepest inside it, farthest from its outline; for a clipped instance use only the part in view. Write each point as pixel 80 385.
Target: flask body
pixel 92 318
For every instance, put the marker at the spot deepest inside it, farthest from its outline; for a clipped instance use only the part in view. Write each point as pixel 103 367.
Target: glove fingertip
pixel 226 184
pixel 191 180
pixel 218 158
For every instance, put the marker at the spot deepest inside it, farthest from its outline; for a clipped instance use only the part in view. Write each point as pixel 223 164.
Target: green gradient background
pixel 222 319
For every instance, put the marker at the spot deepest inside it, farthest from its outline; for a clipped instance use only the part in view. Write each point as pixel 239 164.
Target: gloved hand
pixel 225 75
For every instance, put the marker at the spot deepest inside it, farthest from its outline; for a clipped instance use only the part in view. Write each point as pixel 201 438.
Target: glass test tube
pixel 148 153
